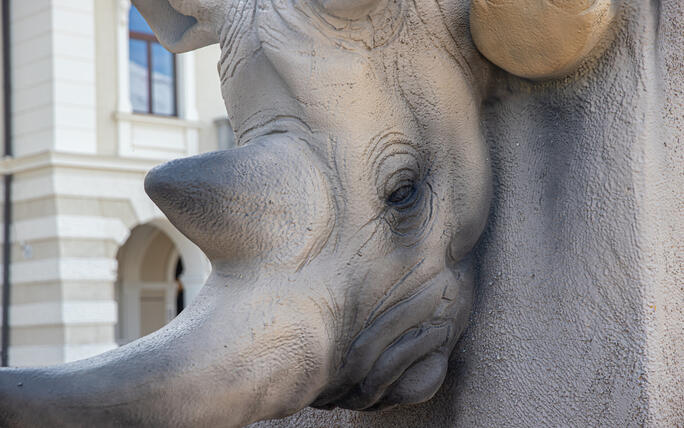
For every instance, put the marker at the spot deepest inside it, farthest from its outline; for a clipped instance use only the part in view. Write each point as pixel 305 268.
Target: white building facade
pixel 96 103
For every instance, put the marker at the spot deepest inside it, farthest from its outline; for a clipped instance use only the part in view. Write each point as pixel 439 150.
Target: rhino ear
pixel 539 39
pixel 183 25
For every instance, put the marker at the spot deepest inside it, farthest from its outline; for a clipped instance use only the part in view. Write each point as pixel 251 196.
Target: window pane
pixel 137 23
pixel 163 81
pixel 138 72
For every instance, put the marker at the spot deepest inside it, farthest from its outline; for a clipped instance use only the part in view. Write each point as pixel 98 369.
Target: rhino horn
pixel 262 203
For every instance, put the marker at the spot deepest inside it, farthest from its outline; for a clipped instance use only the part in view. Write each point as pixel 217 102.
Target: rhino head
pixel 340 229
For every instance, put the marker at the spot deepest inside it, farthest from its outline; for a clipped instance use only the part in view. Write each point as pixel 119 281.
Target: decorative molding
pixel 64 312
pixel 156 137
pixel 9 165
pixel 71 227
pixel 64 269
pixel 151 119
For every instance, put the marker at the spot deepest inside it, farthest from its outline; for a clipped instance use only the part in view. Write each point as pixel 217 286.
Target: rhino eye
pixel 402 196
pixel 398 175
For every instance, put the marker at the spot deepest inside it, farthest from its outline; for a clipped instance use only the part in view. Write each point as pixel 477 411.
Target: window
pixel 152 70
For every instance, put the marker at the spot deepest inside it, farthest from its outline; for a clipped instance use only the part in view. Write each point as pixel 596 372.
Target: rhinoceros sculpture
pixel 341 229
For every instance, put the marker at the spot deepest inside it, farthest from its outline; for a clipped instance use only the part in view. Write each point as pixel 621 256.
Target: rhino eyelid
pixel 406 161
pixel 387 145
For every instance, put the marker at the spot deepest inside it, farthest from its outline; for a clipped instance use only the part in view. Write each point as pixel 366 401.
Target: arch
pixel 196 265
pixel 147 277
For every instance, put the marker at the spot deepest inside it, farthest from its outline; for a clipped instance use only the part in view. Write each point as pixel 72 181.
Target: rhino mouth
pixel 237 355
pixel 401 355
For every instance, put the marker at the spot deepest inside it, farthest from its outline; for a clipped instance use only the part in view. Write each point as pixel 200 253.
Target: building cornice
pixel 14 165
pixel 157 120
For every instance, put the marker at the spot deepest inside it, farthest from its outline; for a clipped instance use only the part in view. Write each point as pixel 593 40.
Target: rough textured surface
pixel 578 318
pixel 540 39
pixel 342 230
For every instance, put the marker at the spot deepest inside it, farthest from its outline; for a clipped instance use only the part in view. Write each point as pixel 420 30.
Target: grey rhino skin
pixel 341 230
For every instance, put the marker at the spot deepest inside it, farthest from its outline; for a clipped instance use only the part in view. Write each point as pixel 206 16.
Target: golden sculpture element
pixel 539 39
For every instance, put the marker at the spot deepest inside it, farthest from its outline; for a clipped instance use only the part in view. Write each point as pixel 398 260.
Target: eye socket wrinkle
pixel 410 220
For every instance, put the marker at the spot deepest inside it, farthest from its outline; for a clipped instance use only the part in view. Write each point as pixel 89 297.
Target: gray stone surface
pixel 343 230
pixel 579 314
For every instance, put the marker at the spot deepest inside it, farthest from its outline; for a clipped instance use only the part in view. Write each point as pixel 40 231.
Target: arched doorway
pixel 149 288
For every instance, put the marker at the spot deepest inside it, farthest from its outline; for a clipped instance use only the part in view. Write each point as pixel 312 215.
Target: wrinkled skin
pixel 340 230
pixel 387 184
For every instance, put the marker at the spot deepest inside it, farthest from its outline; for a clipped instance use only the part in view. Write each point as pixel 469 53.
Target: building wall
pixel 106 59
pixel 210 105
pixel 81 157
pixel 54 76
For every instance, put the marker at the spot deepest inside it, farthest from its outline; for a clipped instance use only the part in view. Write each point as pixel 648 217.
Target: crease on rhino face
pixel 391 268
pixel 340 230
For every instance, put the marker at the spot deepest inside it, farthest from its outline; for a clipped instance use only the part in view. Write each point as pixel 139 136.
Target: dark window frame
pixel 150 39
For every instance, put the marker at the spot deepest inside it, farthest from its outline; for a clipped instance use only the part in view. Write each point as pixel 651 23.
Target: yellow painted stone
pixel 539 39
